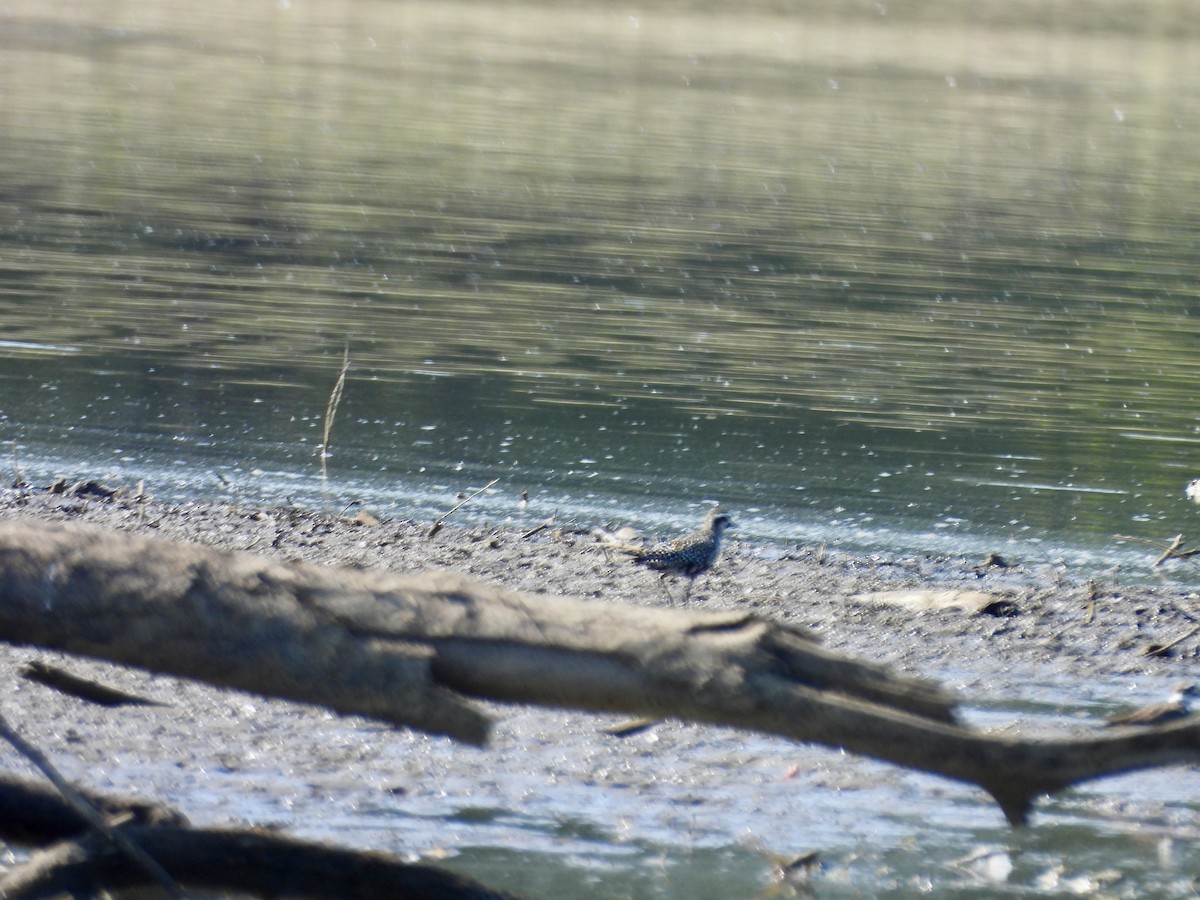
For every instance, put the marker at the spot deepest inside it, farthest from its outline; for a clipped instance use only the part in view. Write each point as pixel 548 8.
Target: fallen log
pixel 406 649
pixel 412 650
pixel 264 864
pixel 75 858
pixel 35 813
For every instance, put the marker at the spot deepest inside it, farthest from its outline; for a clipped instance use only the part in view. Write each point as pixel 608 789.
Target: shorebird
pixel 1177 706
pixel 688 556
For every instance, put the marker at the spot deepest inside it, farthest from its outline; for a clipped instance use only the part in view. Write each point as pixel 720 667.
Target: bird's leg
pixel 666 589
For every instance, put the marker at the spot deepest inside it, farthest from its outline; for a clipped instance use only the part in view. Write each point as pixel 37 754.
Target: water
pixel 886 281
pixel 914 278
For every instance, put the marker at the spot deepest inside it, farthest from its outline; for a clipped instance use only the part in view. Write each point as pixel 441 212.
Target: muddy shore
pixel 1059 652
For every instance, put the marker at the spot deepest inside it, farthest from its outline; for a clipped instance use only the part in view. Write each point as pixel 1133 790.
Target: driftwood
pixel 96 820
pixel 35 813
pixel 411 650
pixel 269 864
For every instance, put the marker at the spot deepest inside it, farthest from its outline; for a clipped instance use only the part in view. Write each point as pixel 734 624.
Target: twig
pixel 1162 650
pixel 89 813
pixel 1171 550
pixel 140 500
pixel 437 526
pixel 538 528
pixel 18 481
pixel 83 688
pixel 1174 550
pixel 331 408
pixel 1093 593
pixel 630 727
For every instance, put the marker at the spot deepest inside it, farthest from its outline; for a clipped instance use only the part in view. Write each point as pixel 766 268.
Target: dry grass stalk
pixel 331 408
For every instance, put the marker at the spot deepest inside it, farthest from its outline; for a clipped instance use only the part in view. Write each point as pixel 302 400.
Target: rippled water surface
pixel 891 277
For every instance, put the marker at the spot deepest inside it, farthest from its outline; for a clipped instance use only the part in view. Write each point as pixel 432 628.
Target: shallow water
pixel 885 278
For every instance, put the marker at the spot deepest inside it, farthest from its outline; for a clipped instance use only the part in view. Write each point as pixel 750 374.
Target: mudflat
pixel 1029 648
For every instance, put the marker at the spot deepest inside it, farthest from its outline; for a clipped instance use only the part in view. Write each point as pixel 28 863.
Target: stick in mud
pixel 437 526
pixel 83 688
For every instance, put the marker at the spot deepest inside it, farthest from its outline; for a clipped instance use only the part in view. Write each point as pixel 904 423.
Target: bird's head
pixel 718 521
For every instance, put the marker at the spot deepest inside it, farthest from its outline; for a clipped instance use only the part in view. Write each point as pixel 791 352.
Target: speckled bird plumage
pixel 690 555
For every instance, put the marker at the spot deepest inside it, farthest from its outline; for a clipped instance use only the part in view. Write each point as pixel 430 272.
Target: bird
pixel 1193 490
pixel 688 556
pixel 1177 706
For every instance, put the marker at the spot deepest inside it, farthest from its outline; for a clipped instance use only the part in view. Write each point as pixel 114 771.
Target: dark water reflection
pixel 885 277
